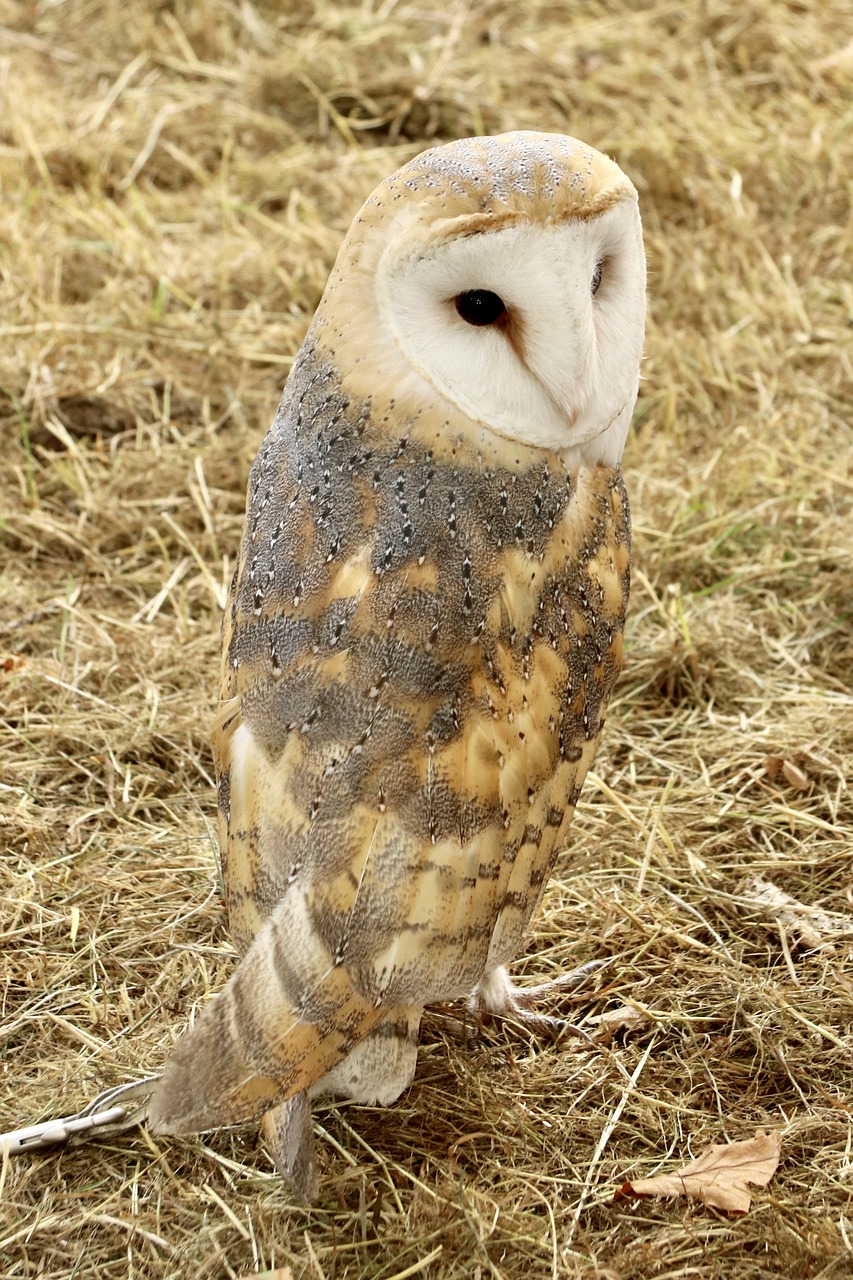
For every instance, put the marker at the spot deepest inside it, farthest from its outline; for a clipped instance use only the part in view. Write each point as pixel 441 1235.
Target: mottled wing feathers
pixel 418 657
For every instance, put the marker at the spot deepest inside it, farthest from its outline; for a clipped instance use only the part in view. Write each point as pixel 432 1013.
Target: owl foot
pixel 497 993
pixel 289 1136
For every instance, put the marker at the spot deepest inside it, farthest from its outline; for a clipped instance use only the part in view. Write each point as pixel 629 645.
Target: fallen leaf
pixel 792 773
pixel 719 1176
pixel 809 924
pixel 772 765
pixel 625 1018
pixel 795 775
pixel 278 1273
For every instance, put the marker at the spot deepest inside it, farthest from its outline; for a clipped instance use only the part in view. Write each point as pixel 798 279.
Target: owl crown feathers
pixel 547 231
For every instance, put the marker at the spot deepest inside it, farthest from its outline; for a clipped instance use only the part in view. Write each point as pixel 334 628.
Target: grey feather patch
pixel 289 1135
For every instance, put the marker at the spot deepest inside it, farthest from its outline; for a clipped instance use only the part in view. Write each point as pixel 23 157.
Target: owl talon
pixel 498 994
pixel 528 997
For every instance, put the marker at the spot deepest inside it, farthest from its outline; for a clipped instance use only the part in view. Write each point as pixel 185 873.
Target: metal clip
pixel 115 1109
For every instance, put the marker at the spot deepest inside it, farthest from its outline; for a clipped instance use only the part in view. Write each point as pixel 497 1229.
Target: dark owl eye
pixel 480 306
pixel 596 278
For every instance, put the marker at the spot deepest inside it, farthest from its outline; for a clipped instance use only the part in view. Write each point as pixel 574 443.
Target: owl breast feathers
pixel 425 624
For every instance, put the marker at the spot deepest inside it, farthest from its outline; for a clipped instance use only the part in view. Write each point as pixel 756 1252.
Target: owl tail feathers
pixel 289 1137
pixel 278 1027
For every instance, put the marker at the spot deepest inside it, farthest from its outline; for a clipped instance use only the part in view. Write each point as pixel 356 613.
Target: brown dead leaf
pixel 792 773
pixel 795 775
pixel 808 924
pixel 720 1174
pixel 625 1018
pixel 278 1273
pixel 772 765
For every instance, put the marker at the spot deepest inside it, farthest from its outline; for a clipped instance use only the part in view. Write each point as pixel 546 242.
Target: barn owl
pixel 425 626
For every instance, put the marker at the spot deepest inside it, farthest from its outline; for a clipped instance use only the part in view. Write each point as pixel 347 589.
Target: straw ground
pixel 175 180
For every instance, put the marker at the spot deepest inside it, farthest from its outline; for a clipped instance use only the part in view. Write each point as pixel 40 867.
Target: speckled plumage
pixel 424 630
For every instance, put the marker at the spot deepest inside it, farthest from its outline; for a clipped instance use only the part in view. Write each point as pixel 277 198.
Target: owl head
pixel 497 285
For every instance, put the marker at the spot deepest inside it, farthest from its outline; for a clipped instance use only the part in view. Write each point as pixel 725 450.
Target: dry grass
pixel 175 180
